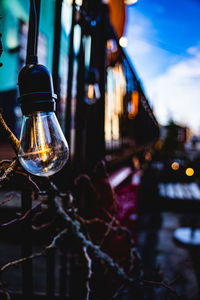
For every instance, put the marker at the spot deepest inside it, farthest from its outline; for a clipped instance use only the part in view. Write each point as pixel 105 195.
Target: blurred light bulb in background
pixel 123 42
pixel 92 93
pixel 111 46
pixel 43 148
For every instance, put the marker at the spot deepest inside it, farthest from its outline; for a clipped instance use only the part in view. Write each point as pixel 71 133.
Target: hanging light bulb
pixel 92 88
pixel 43 148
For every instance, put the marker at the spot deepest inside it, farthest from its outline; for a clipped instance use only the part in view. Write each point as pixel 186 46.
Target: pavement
pixel 164 258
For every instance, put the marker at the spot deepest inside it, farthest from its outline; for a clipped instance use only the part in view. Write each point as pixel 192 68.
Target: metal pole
pixel 26 201
pixel 80 117
pixel 56 47
pixel 70 78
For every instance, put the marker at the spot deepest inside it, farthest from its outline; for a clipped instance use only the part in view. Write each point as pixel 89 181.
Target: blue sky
pixel 164 46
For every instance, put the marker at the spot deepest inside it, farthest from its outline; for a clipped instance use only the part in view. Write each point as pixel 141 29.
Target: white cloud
pixel 138 29
pixel 171 78
pixel 144 48
pixel 176 92
pixel 140 47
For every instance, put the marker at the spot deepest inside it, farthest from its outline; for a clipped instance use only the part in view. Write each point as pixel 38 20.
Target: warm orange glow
pixel 42 148
pixel 114 99
pixel 108 129
pixel 91 91
pixel 115 127
pixel 158 145
pixel 136 162
pixel 117 15
pixel 120 89
pixel 189 172
pixel 110 45
pixel 134 104
pixel 175 166
pixel 148 156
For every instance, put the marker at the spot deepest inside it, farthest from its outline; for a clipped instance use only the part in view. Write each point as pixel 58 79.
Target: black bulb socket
pixel 36 89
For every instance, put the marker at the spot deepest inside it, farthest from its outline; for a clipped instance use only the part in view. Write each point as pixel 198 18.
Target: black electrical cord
pixel 31 56
pixel 35 29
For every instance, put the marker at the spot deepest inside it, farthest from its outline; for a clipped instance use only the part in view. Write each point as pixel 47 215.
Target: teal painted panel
pixel 12 12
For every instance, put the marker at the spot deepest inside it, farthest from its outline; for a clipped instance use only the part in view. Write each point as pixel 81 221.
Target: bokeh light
pixel 189 172
pixel 123 42
pixel 175 165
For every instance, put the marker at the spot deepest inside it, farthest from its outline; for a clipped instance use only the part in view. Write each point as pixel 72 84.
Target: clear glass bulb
pixel 43 148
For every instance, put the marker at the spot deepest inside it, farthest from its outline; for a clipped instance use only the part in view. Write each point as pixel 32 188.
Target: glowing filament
pixel 42 149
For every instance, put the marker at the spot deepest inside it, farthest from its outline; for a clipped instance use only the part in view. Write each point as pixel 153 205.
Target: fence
pixel 64 273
